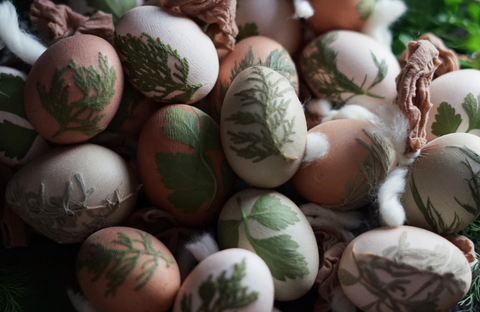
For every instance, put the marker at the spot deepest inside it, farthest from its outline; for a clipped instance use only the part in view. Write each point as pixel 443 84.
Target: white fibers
pixel 303 9
pixel 317 147
pixel 202 246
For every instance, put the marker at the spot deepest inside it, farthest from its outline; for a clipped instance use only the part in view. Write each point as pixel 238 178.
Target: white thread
pixel 202 246
pixel 317 147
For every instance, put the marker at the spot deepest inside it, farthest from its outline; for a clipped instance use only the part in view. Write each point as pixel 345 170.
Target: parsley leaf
pixel 269 211
pixel 470 106
pixel 446 121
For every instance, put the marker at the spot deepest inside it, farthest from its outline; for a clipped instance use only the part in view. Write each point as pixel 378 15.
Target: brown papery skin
pixel 261 47
pixel 339 14
pixel 323 180
pixel 84 49
pixel 153 140
pixel 157 295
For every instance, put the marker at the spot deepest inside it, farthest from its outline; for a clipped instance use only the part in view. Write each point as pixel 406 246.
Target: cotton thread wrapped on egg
pixel 396 269
pixel 166 55
pixel 74 89
pixel 67 193
pixel 19 142
pixel 263 127
pixel 271 225
pixel 347 67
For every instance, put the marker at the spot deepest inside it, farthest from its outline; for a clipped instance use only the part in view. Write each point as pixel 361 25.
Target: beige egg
pixel 271 225
pixel 269 18
pixel 67 193
pixel 19 142
pixel 166 55
pixel 232 279
pixel 441 194
pixel 74 89
pixel 403 268
pixel 339 14
pixel 253 51
pixel 355 162
pixel 348 67
pixel 263 127
pixel 122 269
pixel 455 97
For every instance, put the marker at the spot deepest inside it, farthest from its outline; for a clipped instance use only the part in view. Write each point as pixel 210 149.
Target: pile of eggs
pixel 220 138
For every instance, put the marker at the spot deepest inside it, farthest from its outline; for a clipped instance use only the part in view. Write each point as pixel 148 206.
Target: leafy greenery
pixel 279 252
pixel 55 100
pixel 265 93
pixel 472 109
pixel 365 8
pixel 471 301
pixel 389 279
pixel 278 60
pixel 473 182
pixel 147 65
pixel 320 69
pixel 248 30
pixel 11 95
pixel 456 22
pixel 116 7
pixel 116 263
pixel 191 176
pixel 15 140
pixel 446 120
pixel 222 294
pixel 12 289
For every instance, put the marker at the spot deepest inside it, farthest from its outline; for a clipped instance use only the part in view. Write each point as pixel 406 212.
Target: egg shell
pixel 348 67
pixel 252 51
pixel 340 14
pixel 182 165
pixel 278 232
pixel 67 193
pixel 269 18
pixel 54 114
pixel 241 270
pixel 19 142
pixel 441 182
pixel 122 269
pixel 264 142
pixel 336 180
pixel 403 268
pixel 180 62
pixel 449 95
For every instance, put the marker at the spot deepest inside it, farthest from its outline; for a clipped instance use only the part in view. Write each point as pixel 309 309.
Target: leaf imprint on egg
pixel 269 141
pixel 222 293
pixel 98 88
pixel 279 252
pixel 191 176
pixel 391 276
pixel 278 60
pixel 147 66
pixel 320 68
pixel 117 262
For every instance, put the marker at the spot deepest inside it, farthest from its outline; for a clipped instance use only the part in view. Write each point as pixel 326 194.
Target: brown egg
pixel 269 18
pixel 182 165
pixel 339 14
pixel 344 176
pixel 122 269
pixel 74 89
pixel 252 51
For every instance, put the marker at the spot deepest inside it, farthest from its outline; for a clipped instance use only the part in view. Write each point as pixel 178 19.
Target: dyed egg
pixel 253 51
pixel 74 89
pixel 340 14
pixel 67 193
pixel 347 67
pixel 455 97
pixel 19 142
pixel 182 165
pixel 122 269
pixel 229 279
pixel 354 162
pixel 272 226
pixel 441 194
pixel 269 18
pixel 166 55
pixel 263 127
pixel 403 268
